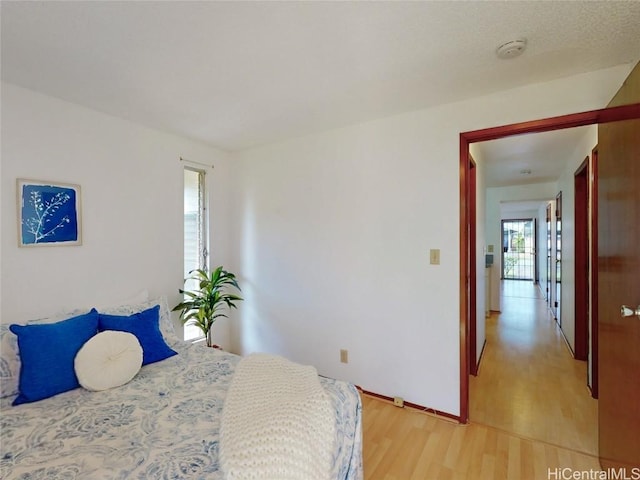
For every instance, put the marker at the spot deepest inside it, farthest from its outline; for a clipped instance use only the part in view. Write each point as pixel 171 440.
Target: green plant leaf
pixel 203 305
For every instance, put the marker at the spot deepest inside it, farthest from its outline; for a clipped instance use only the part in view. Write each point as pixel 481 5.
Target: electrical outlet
pixel 398 402
pixel 434 256
pixel 344 356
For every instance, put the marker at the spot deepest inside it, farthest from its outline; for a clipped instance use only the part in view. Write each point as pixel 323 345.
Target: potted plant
pixel 203 305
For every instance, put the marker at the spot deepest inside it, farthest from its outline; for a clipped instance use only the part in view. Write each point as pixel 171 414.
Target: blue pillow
pixel 47 352
pixel 145 326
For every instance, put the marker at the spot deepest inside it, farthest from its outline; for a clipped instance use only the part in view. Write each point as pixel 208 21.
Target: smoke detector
pixel 511 49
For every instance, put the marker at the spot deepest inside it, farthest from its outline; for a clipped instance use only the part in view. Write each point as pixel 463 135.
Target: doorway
pixel 466 283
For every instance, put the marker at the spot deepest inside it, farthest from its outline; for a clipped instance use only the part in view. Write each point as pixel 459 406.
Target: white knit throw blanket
pixel 277 422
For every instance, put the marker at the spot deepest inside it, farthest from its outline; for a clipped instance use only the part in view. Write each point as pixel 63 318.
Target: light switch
pixel 434 256
pixel 344 356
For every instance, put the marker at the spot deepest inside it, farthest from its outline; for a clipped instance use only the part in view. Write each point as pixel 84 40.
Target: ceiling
pixel 526 159
pixel 523 208
pixel 242 74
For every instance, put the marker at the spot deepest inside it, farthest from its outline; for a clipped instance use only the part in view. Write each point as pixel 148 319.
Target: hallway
pixel 528 383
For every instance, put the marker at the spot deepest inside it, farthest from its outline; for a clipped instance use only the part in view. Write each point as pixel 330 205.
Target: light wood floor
pixel 405 444
pixel 528 382
pixel 528 400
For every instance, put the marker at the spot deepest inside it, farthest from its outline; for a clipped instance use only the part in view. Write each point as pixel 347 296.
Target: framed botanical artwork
pixel 48 213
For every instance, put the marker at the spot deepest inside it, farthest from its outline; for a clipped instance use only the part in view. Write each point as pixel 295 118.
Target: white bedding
pixel 277 422
pixel 164 424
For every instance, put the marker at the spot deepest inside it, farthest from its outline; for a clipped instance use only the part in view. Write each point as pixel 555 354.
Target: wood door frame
pixel 605 115
pixel 594 272
pixel 582 267
pixel 473 267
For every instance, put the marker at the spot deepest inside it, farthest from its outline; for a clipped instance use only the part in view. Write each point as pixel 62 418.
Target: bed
pixel 163 424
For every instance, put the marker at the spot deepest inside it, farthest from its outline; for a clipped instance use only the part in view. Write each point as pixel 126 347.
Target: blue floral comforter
pixel 163 424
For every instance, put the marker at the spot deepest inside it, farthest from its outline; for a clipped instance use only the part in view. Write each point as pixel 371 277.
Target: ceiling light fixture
pixel 511 49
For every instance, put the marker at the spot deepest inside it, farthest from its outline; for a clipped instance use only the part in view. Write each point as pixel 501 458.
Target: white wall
pixel 131 182
pixel 543 247
pixel 1 197
pixel 566 186
pixel 329 233
pixel 334 229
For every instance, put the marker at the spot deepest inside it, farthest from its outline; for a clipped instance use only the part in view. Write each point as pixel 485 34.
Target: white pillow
pixel 9 362
pixel 140 297
pixel 166 324
pixel 108 360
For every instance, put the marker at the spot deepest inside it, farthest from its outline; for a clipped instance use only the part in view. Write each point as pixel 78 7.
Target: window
pixel 195 232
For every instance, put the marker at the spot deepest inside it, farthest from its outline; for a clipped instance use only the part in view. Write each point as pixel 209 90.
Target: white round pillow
pixel 108 360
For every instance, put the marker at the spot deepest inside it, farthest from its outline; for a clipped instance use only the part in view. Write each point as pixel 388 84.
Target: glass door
pixel 518 249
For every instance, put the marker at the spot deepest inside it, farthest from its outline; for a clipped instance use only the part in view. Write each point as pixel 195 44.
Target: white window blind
pixel 195 235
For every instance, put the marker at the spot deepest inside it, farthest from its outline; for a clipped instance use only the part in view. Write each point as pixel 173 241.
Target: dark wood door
pixel 557 294
pixel 581 264
pixel 618 284
pixel 549 249
pixel 594 274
